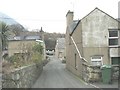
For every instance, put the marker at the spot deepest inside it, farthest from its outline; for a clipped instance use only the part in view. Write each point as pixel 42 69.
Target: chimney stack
pixel 69 17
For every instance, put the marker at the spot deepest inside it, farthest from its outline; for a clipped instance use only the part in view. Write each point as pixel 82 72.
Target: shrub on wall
pixel 36 57
pixel 33 55
pixel 38 48
pixel 37 53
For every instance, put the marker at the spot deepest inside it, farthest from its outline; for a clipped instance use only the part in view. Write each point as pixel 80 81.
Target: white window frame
pixel 97 60
pixel 113 38
pixel 114 30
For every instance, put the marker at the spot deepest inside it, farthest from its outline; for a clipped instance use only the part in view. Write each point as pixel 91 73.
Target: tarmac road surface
pixel 55 75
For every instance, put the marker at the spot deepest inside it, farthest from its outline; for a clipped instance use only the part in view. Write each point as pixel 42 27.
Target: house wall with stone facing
pixel 19 46
pixel 95 35
pixel 91 36
pixel 71 51
pixel 60 48
pixel 23 77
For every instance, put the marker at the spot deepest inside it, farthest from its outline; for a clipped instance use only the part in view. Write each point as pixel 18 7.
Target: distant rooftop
pixel 35 37
pixel 32 37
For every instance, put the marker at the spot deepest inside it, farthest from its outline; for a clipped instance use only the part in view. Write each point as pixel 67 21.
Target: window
pixel 113 37
pixel 75 61
pixel 113 33
pixel 113 41
pixel 96 60
pixel 115 60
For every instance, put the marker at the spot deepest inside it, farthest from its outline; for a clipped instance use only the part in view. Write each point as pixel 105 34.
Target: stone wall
pixel 116 72
pixel 91 73
pixel 94 73
pixel 23 77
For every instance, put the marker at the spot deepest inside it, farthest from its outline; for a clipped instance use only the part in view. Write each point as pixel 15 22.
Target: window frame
pixel 111 38
pixel 97 60
pixel 113 60
pixel 112 31
pixel 114 43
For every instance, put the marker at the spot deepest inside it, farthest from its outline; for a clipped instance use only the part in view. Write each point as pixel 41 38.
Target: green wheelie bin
pixel 106 74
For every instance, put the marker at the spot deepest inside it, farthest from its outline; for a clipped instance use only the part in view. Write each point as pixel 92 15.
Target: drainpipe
pixel 78 50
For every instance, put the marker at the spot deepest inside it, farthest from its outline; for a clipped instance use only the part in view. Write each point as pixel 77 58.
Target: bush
pixel 33 55
pixel 38 48
pixel 36 57
pixel 37 53
pixel 13 59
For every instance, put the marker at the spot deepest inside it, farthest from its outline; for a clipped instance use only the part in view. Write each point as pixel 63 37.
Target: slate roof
pixel 73 25
pixel 32 37
pixel 35 37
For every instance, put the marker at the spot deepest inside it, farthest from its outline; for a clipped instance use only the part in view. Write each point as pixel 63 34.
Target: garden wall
pixel 23 77
pixel 94 73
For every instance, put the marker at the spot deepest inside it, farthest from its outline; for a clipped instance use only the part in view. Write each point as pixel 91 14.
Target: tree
pixel 16 29
pixel 4 28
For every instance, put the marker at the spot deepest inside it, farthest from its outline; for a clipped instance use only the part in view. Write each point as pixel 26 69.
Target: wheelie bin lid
pixel 106 66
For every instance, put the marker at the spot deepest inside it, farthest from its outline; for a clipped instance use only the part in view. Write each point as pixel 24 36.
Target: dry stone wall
pixel 23 77
pixel 94 73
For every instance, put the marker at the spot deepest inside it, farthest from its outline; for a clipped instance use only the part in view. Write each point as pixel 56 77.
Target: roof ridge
pixel 89 14
pixel 101 11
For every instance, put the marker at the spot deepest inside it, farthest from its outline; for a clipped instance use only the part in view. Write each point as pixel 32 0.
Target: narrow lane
pixel 55 75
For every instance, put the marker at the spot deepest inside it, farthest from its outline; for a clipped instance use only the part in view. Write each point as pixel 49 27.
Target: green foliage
pixel 50 43
pixel 5 56
pixel 17 60
pixel 4 34
pixel 33 55
pixel 13 59
pixel 38 48
pixel 50 39
pixel 37 53
pixel 37 57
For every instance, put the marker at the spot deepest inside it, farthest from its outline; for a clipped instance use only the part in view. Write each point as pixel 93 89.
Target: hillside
pixel 8 20
pixel 14 28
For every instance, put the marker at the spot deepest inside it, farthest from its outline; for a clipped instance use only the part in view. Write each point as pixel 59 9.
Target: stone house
pixel 94 41
pixel 18 45
pixel 60 48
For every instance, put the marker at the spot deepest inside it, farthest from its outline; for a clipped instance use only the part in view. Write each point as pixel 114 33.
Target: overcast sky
pixel 50 14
